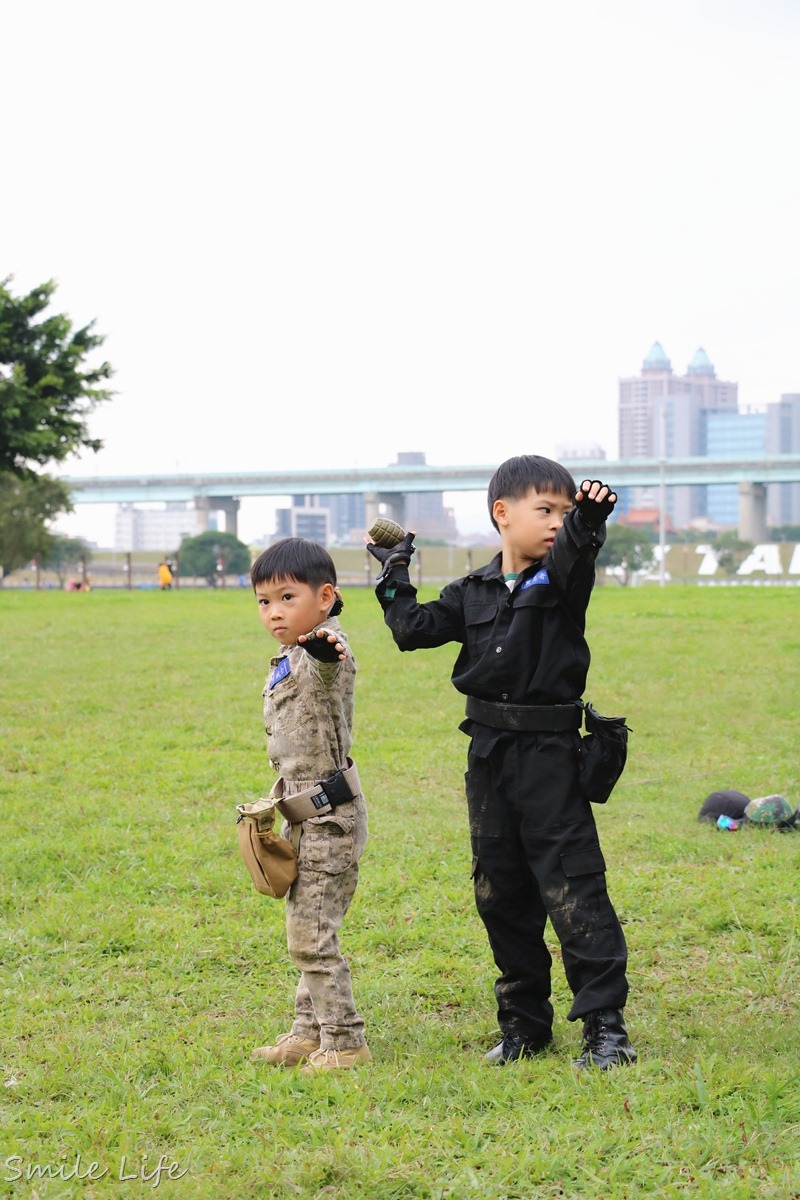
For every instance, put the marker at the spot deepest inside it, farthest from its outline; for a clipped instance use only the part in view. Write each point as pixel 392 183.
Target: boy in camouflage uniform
pixel 308 713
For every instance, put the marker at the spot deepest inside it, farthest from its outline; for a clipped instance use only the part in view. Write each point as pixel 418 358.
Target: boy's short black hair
pixel 514 478
pixel 294 558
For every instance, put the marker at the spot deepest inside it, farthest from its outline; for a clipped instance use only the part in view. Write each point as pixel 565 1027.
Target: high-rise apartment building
pixel 783 437
pixel 642 400
pixel 731 435
pixel 663 415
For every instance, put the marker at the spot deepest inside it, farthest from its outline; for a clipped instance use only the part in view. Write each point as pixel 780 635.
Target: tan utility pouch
pixel 270 859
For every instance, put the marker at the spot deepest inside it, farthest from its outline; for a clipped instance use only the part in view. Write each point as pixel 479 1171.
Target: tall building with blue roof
pixel 662 414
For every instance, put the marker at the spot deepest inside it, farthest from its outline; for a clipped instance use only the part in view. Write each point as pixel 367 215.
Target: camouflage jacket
pixel 308 712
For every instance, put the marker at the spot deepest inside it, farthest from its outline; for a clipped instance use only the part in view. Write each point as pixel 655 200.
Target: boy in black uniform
pixel 522 666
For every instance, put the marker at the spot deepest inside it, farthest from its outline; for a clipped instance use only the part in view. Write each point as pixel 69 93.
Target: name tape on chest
pixel 539 578
pixel 283 669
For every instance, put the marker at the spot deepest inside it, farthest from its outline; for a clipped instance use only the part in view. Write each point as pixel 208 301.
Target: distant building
pixel 341 518
pixel 697 415
pixel 160 529
pixel 731 435
pixel 578 451
pixel 425 512
pixel 324 519
pixel 643 518
pixel 347 519
pixel 664 415
pixel 783 437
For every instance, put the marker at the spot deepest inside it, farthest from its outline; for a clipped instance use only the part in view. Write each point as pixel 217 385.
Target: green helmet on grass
pixel 771 810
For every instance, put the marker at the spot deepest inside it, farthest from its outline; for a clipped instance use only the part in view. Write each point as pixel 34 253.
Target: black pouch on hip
pixel 603 751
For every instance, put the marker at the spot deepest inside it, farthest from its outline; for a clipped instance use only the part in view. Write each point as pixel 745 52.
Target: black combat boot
pixel 512 1048
pixel 605 1040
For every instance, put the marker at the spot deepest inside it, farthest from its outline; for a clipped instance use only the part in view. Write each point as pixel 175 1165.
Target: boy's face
pixel 528 526
pixel 288 608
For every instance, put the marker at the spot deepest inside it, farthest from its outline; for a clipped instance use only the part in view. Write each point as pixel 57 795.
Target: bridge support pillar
pixel 392 503
pixel 752 512
pixel 230 507
pixel 202 508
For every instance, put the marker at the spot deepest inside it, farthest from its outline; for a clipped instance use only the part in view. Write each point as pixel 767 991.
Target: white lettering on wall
pixel 710 560
pixel 762 558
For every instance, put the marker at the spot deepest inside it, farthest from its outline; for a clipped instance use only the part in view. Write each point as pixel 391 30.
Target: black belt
pixel 525 718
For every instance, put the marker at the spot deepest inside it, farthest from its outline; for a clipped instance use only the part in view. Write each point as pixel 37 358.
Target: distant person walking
pixel 165 576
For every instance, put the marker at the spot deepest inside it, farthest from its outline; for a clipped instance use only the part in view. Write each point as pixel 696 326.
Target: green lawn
pixel 139 966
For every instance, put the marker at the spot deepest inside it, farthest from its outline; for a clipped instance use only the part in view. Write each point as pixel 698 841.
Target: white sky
pixel 323 232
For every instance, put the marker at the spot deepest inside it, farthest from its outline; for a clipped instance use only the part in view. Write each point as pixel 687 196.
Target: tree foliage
pixel 65 554
pixel 47 390
pixel 628 548
pixel 26 507
pixel 785 533
pixel 731 551
pixel 200 556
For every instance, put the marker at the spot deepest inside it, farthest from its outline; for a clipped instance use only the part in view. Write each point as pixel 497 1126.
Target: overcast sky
pixel 320 233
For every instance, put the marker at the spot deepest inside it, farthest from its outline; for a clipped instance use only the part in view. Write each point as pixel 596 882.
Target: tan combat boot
pixel 289 1051
pixel 336 1060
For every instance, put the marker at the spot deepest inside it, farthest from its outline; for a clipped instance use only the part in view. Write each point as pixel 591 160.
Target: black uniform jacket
pixel 521 647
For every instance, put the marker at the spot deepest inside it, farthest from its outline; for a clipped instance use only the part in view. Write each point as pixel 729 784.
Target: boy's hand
pixel 401 553
pixel 594 501
pixel 323 645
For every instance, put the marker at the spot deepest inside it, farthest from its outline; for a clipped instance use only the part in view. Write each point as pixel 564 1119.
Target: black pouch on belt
pixel 603 751
pixel 336 789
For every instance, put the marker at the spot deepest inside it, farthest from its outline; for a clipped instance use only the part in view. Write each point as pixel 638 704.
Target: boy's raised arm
pixel 575 549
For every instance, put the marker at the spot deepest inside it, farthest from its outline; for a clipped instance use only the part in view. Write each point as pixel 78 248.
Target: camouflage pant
pixel 316 903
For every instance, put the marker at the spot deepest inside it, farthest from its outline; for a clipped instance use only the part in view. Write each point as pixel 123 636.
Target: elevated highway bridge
pixel 386 486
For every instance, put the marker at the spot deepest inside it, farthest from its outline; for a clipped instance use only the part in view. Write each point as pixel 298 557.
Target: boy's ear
pixel 499 511
pixel 327 595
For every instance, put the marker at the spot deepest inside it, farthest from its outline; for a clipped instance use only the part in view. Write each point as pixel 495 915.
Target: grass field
pixel 139 966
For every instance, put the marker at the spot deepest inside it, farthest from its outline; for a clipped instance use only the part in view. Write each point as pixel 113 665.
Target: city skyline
pixel 260 518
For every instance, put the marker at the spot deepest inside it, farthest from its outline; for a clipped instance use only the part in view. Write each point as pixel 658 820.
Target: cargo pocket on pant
pixel 585 895
pixel 481 885
pixel 334 842
pixel 583 862
pixel 482 807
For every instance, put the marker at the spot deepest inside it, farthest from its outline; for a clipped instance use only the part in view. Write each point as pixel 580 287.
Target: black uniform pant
pixel 536 855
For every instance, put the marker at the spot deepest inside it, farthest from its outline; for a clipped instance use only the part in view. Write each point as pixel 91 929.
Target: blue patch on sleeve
pixel 283 669
pixel 540 577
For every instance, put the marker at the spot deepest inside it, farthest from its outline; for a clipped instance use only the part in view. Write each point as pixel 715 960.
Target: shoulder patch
pixel 541 576
pixel 283 669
